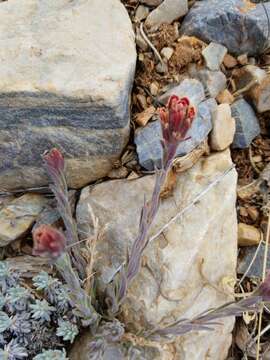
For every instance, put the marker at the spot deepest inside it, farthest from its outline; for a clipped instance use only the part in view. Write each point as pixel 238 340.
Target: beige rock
pixel 242 59
pixel 223 131
pixel 167 52
pixel 143 117
pixel 141 12
pixel 248 235
pixel 18 216
pixel 260 95
pixel 229 61
pixel 185 268
pixel 225 97
pixel 154 88
pixel 166 13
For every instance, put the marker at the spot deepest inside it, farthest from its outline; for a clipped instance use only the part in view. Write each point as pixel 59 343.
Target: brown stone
pixel 225 97
pixel 229 61
pixel 143 117
pixel 248 235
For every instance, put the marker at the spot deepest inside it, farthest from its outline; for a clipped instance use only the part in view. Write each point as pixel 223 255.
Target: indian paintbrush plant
pixel 73 305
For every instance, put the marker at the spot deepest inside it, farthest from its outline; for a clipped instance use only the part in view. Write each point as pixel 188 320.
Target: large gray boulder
pixel 66 72
pixel 240 25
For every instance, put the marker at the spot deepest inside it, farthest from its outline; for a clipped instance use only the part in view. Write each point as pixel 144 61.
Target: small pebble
pixel 143 117
pixel 242 59
pixel 247 125
pixel 253 213
pixel 142 12
pixel 154 88
pixel 166 13
pixel 223 131
pixel 248 235
pixel 229 61
pixel 213 55
pixel 225 97
pixel 167 52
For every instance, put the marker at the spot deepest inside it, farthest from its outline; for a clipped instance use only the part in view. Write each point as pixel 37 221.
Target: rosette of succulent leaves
pixel 34 319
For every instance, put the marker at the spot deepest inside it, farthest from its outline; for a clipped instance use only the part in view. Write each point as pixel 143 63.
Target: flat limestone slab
pixel 186 270
pixel 65 77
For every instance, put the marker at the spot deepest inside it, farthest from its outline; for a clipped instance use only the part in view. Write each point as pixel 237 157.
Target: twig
pixel 189 206
pixel 150 44
pixel 263 278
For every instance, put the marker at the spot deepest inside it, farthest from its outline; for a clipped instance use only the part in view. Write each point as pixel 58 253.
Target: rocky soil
pixel 88 77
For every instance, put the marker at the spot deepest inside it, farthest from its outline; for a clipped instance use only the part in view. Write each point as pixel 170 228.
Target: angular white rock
pixel 185 270
pixel 214 54
pixel 166 13
pixel 223 128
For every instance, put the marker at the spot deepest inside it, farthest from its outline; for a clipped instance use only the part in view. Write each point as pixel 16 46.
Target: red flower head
pixel 54 160
pixel 176 119
pixel 48 241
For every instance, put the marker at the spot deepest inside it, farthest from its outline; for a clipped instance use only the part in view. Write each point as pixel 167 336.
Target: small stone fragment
pixel 242 59
pixel 229 61
pixel 223 128
pixel 247 125
pixel 141 12
pixel 213 55
pixel 154 88
pixel 225 97
pixel 213 81
pixel 191 88
pixel 240 25
pixel 142 101
pixel 260 95
pixel 255 270
pixel 248 235
pixel 166 13
pixel 148 145
pixel 18 216
pixel 167 52
pixel 253 213
pixel 143 117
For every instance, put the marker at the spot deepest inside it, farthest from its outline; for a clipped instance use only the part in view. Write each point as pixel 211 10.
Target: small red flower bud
pixel 176 119
pixel 54 160
pixel 48 241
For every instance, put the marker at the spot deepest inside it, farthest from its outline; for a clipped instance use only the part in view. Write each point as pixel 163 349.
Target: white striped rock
pixel 66 72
